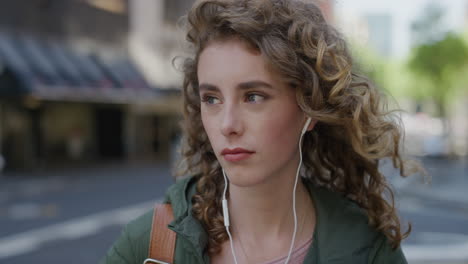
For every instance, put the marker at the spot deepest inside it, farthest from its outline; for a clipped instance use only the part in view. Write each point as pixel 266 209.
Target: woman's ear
pixel 311 125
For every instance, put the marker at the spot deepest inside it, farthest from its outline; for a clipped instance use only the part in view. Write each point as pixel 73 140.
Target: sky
pixel 403 13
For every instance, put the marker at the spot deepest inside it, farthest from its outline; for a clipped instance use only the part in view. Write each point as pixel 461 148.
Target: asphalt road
pixel 74 216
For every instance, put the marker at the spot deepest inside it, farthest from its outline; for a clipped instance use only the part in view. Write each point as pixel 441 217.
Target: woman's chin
pixel 245 180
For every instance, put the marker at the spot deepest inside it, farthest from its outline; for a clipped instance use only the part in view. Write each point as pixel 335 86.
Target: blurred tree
pixel 438 58
pixel 441 62
pixel 386 73
pixel 369 63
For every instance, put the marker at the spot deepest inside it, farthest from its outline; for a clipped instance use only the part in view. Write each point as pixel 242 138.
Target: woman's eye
pixel 210 100
pixel 255 98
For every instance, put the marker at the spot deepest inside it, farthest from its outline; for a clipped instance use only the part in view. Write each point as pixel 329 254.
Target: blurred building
pixel 87 80
pixel 466 16
pixel 373 30
pixel 156 38
pixel 380 33
pixel 70 90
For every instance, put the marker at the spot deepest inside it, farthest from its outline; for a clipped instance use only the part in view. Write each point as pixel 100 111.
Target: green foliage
pixel 436 70
pixel 389 75
pixel 441 62
pixel 370 64
pixel 440 58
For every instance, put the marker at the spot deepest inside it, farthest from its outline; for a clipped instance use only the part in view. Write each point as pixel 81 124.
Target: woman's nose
pixel 231 123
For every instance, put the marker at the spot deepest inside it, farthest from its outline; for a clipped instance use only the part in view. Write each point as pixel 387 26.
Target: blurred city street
pixel 437 207
pixel 77 214
pixel 91 106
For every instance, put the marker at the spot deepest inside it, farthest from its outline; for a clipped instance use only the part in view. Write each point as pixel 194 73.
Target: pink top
pixel 297 256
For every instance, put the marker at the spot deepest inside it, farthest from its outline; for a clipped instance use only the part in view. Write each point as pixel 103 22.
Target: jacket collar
pixel 185 224
pixel 341 232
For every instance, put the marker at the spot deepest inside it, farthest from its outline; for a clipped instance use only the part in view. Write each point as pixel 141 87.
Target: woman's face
pixel 245 105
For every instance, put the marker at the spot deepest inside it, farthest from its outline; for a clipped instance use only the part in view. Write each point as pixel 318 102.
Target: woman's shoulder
pixel 336 212
pixel 180 188
pixel 344 226
pixel 335 208
pixel 139 228
pixel 133 243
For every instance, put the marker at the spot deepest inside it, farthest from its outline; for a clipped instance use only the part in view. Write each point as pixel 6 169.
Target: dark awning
pixel 14 66
pixel 51 70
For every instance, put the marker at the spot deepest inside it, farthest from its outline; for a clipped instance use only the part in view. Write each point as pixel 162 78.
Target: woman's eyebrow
pixel 241 86
pixel 254 84
pixel 208 87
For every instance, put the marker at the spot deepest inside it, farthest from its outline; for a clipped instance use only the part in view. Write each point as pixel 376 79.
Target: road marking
pixel 28 241
pixel 25 211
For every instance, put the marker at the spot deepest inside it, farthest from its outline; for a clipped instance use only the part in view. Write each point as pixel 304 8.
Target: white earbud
pixel 225 205
pixel 226 216
pixel 306 125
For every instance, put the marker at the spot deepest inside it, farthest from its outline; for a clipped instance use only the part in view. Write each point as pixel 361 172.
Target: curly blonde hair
pixel 354 131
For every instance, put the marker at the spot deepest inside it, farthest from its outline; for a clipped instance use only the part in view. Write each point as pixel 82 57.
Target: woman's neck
pixel 263 214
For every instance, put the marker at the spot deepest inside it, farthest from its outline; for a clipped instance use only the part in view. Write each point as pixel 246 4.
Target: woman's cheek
pixel 208 126
pixel 282 133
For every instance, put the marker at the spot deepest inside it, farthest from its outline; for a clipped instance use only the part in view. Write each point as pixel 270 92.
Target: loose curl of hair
pixel 354 131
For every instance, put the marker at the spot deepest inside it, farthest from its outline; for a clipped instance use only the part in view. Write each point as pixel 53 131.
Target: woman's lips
pixel 237 156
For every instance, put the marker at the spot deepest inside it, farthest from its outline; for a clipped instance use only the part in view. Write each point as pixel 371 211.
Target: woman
pixel 270 94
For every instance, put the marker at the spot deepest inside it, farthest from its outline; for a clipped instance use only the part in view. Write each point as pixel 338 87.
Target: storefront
pixel 77 108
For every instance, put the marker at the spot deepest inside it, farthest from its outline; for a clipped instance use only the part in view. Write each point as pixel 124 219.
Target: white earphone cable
pixel 226 217
pixel 226 210
pixel 294 201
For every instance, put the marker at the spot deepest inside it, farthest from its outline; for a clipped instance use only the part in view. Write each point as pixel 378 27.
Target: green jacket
pixel 342 234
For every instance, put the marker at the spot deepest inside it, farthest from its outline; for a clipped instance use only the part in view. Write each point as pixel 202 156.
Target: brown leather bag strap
pixel 162 243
